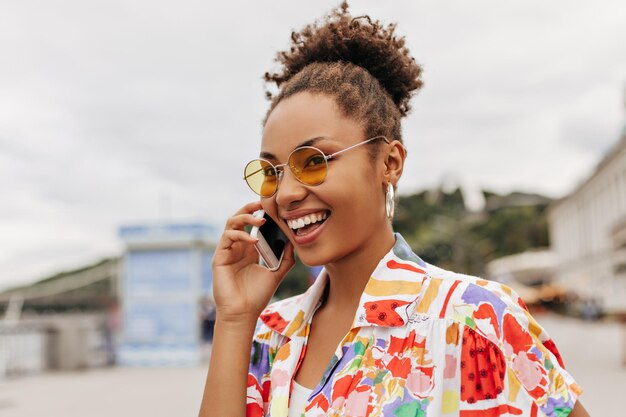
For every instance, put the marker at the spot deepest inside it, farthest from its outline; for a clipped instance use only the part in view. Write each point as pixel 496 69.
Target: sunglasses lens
pixel 308 165
pixel 261 177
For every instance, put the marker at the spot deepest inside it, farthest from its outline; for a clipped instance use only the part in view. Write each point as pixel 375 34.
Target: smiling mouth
pixel 308 224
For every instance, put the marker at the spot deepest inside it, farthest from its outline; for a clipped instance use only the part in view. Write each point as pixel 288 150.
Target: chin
pixel 311 260
pixel 320 257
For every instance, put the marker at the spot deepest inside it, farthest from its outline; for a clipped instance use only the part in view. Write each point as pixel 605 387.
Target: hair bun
pixel 360 41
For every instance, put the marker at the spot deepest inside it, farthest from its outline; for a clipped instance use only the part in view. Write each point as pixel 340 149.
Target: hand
pixel 241 287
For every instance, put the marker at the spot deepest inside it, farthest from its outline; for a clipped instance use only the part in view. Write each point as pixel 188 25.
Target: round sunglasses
pixel 308 164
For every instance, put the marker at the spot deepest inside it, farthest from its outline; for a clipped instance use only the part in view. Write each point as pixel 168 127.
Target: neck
pixel 349 275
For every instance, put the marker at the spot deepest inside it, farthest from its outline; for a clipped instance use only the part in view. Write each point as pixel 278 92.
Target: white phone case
pixel 266 254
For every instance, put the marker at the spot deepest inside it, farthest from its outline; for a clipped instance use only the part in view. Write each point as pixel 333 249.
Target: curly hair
pixel 358 61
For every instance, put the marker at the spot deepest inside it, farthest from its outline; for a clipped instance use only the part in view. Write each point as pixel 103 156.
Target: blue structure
pixel 166 273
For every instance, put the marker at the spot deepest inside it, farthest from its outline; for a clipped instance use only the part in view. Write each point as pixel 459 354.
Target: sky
pixel 121 112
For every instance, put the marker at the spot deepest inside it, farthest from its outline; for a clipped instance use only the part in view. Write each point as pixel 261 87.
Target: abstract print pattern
pixel 424 342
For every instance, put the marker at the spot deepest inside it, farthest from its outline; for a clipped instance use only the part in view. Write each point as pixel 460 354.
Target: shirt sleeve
pixel 511 365
pixel 535 361
pixel 258 372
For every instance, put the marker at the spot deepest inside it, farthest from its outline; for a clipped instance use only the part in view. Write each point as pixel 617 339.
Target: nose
pixel 290 190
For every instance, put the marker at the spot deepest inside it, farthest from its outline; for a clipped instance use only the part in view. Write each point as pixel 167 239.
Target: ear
pixel 393 159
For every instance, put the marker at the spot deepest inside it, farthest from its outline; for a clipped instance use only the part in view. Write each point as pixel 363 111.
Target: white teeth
pixel 305 220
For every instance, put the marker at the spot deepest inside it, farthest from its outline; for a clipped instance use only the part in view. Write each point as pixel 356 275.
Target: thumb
pixel 288 261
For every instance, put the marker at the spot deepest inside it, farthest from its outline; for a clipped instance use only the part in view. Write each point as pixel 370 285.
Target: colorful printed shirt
pixel 424 342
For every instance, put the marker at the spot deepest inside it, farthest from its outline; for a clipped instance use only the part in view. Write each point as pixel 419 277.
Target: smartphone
pixel 272 241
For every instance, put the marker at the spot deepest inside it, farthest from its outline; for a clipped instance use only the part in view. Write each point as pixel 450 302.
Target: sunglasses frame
pixel 280 169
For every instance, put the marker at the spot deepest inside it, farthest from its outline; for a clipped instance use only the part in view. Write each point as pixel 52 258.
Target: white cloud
pixel 121 111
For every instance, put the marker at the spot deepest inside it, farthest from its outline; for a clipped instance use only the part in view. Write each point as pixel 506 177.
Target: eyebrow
pixel 309 142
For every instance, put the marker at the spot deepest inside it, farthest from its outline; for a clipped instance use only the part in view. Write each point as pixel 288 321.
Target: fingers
pixel 288 261
pixel 289 253
pixel 244 217
pixel 249 208
pixel 230 237
pixel 239 221
pixel 234 229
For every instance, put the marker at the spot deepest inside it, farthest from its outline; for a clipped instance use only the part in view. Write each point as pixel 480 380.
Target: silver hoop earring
pixel 389 202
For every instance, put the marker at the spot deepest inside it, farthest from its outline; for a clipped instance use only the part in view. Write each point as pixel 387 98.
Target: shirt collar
pixel 387 299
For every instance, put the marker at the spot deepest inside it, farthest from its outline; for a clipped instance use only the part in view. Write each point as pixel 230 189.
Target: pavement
pixel 592 353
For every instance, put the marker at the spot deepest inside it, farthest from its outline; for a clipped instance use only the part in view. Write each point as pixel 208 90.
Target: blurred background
pixel 125 125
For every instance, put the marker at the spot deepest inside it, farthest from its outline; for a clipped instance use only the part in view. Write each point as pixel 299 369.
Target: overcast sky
pixel 115 112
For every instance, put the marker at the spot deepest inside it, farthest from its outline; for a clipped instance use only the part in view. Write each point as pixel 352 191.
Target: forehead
pixel 305 116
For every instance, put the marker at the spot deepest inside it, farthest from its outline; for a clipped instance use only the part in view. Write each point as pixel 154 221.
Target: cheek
pixel 359 196
pixel 266 205
pixel 269 206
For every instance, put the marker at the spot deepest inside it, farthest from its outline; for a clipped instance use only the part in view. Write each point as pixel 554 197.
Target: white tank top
pixel 299 397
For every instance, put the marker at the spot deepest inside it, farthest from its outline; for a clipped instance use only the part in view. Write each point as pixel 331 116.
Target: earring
pixel 389 202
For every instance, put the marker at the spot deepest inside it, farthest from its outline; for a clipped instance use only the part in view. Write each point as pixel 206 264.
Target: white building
pixel 588 233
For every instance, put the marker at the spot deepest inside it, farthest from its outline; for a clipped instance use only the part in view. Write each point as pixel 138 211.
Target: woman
pixel 380 332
